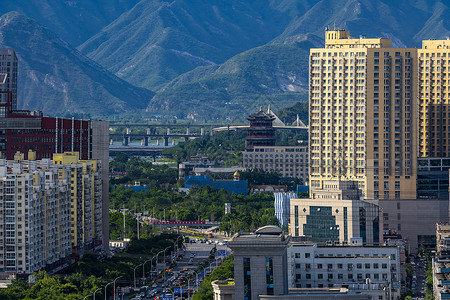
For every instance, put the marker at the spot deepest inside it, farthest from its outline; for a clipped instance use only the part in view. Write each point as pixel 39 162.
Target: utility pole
pixel 137 221
pixel 124 229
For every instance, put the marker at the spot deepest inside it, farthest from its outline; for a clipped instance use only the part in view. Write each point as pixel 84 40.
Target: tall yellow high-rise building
pixel 434 99
pixel 362 115
pixel 86 200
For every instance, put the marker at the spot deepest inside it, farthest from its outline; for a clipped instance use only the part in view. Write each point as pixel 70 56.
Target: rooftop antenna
pixel 268 109
pixel 334 26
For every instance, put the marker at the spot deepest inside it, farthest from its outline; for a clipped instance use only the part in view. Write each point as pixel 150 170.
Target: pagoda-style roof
pixel 261 115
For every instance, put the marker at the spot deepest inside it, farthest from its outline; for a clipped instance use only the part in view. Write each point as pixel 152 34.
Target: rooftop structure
pixel 261 131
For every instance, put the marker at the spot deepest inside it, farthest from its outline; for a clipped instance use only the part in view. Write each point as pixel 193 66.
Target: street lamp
pixel 151 266
pixel 93 295
pixel 196 275
pixel 134 273
pixel 114 286
pixel 164 261
pixel 143 267
pixel 173 294
pixel 175 245
pixel 105 288
pixel 181 294
pixel 168 247
pixel 87 296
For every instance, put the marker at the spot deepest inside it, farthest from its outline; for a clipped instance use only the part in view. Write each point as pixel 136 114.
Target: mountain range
pixel 57 79
pixel 193 59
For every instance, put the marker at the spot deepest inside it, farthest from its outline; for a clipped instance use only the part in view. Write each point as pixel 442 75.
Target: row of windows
pixel 276 155
pixel 350 276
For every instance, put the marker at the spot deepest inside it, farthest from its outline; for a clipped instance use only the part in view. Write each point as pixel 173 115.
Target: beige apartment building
pixel 289 161
pixel 434 97
pixel 362 115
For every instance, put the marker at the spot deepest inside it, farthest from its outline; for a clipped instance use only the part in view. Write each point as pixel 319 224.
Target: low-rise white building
pixel 312 266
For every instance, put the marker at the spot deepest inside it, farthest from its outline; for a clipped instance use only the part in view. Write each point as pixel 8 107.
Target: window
pixel 297 266
pixel 297 255
pixel 307 255
pixel 384 266
pixel 308 276
pixel 269 275
pixel 339 266
pixel 319 266
pixel 359 266
pixel 320 276
pixel 247 279
pixel 367 266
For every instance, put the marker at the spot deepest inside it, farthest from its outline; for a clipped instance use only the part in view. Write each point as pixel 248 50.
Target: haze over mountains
pixel 203 59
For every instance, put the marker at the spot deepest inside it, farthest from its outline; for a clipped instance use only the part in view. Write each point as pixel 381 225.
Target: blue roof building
pixel 232 186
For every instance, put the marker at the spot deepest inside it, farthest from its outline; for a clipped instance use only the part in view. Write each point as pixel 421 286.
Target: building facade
pixel 312 266
pixel 335 221
pixel 282 205
pixel 22 131
pixel 362 115
pixel 336 214
pixel 434 97
pixel 36 215
pixel 441 262
pixel 269 265
pixel 8 79
pixel 289 161
pixel 259 263
pixel 86 201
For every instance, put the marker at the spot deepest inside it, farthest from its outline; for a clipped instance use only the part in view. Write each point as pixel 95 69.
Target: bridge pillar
pixel 166 141
pixel 111 142
pixel 202 131
pixel 168 131
pixel 126 140
pixel 187 131
pixel 128 130
pixel 145 141
pixel 148 131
